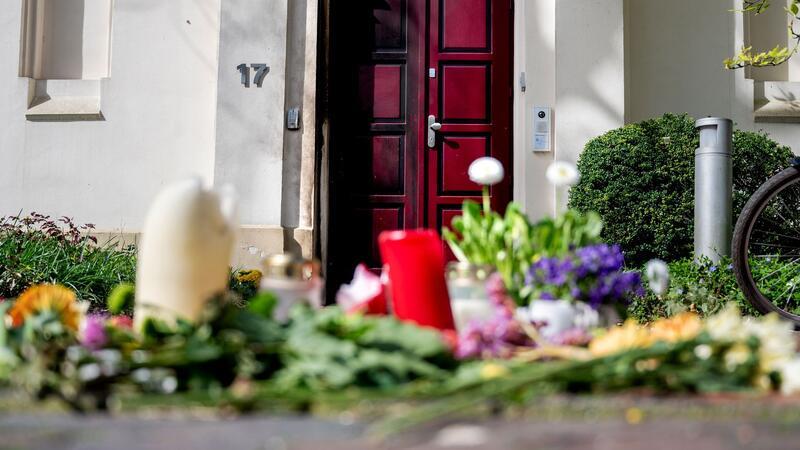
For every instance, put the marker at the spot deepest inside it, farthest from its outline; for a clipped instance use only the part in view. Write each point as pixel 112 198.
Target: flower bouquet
pixel 564 279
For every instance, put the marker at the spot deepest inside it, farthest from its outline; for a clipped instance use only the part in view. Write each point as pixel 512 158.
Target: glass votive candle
pixel 293 280
pixel 466 283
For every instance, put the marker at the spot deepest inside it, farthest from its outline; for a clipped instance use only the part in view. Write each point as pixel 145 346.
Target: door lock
pixel 433 127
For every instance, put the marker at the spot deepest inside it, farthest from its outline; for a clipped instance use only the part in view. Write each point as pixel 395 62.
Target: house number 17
pixel 261 72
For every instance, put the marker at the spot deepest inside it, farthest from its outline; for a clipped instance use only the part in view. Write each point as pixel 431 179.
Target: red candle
pixel 416 277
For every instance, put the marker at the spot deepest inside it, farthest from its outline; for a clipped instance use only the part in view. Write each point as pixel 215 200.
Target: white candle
pixel 185 252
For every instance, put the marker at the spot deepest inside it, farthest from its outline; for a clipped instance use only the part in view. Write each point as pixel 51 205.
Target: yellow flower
pixel 628 336
pixel 249 276
pixel 727 325
pixel 492 370
pixel 777 344
pixel 634 416
pixel 737 355
pixel 683 327
pixel 46 297
pixel 632 335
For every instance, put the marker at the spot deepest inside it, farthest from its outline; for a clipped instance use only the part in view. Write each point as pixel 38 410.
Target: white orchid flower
pixel 486 171
pixel 562 173
pixel 657 273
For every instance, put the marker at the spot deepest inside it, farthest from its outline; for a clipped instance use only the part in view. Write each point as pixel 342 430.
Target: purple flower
pixel 550 271
pixel 470 342
pixel 496 337
pixel 592 274
pixel 546 296
pixel 599 259
pixel 93 332
pixel 496 289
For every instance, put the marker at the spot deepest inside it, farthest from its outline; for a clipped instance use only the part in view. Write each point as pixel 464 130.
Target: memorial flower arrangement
pixel 49 347
pixel 236 355
pixel 239 358
pixel 682 354
pixel 564 279
pixel 511 242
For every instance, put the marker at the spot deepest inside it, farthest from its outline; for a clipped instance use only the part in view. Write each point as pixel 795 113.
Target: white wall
pixel 676 50
pixel 763 32
pixel 675 54
pixel 75 42
pixel 159 106
pixel 534 54
pixel 590 73
pixel 573 56
pixel 250 120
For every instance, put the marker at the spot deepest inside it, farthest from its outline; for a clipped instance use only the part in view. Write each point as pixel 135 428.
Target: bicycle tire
pixel 741 240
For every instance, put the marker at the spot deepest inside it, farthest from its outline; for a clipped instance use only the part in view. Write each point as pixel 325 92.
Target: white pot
pixel 558 316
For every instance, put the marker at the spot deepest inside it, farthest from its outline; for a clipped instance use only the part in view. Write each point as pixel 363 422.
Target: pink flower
pixel 573 336
pixel 121 322
pixel 93 332
pixel 498 336
pixel 364 294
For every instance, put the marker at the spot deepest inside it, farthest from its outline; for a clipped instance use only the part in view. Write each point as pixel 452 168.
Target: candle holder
pixel 466 284
pixel 415 264
pixel 293 280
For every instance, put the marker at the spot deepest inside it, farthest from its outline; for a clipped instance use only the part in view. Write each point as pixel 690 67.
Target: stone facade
pixel 105 103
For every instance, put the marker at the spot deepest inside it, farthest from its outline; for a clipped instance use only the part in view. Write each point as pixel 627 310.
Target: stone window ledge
pixel 777 101
pixel 64 101
pixel 64 109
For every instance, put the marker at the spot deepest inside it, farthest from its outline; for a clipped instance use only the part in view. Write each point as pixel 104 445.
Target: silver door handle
pixel 433 127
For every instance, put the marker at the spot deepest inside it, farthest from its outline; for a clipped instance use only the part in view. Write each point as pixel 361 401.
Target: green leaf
pixel 263 304
pixel 121 298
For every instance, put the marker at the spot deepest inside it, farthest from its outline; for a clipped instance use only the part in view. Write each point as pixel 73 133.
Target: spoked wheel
pixel 766 246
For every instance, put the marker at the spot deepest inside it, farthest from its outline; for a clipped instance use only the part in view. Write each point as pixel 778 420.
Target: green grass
pixel 38 249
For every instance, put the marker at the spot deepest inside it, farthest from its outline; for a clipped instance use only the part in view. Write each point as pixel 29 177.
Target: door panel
pixel 457 154
pixel 374 95
pixel 381 91
pixel 465 24
pixel 464 93
pixel 469 43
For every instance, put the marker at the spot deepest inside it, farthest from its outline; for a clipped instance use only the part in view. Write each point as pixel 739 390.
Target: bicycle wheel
pixel 766 246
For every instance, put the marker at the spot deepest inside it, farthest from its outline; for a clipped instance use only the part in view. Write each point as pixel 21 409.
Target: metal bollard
pixel 713 189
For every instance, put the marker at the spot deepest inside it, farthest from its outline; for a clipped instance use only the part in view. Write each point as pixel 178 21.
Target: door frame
pixel 322 198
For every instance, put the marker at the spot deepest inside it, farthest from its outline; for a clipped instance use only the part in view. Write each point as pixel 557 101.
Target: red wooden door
pixel 469 93
pixel 393 64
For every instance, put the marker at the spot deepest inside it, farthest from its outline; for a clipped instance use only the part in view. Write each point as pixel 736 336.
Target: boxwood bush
pixel 640 179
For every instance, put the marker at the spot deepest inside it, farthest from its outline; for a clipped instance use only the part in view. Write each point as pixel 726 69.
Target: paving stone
pixel 557 423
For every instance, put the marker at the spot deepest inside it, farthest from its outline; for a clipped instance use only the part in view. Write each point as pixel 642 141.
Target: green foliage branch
pixel 511 243
pixel 777 55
